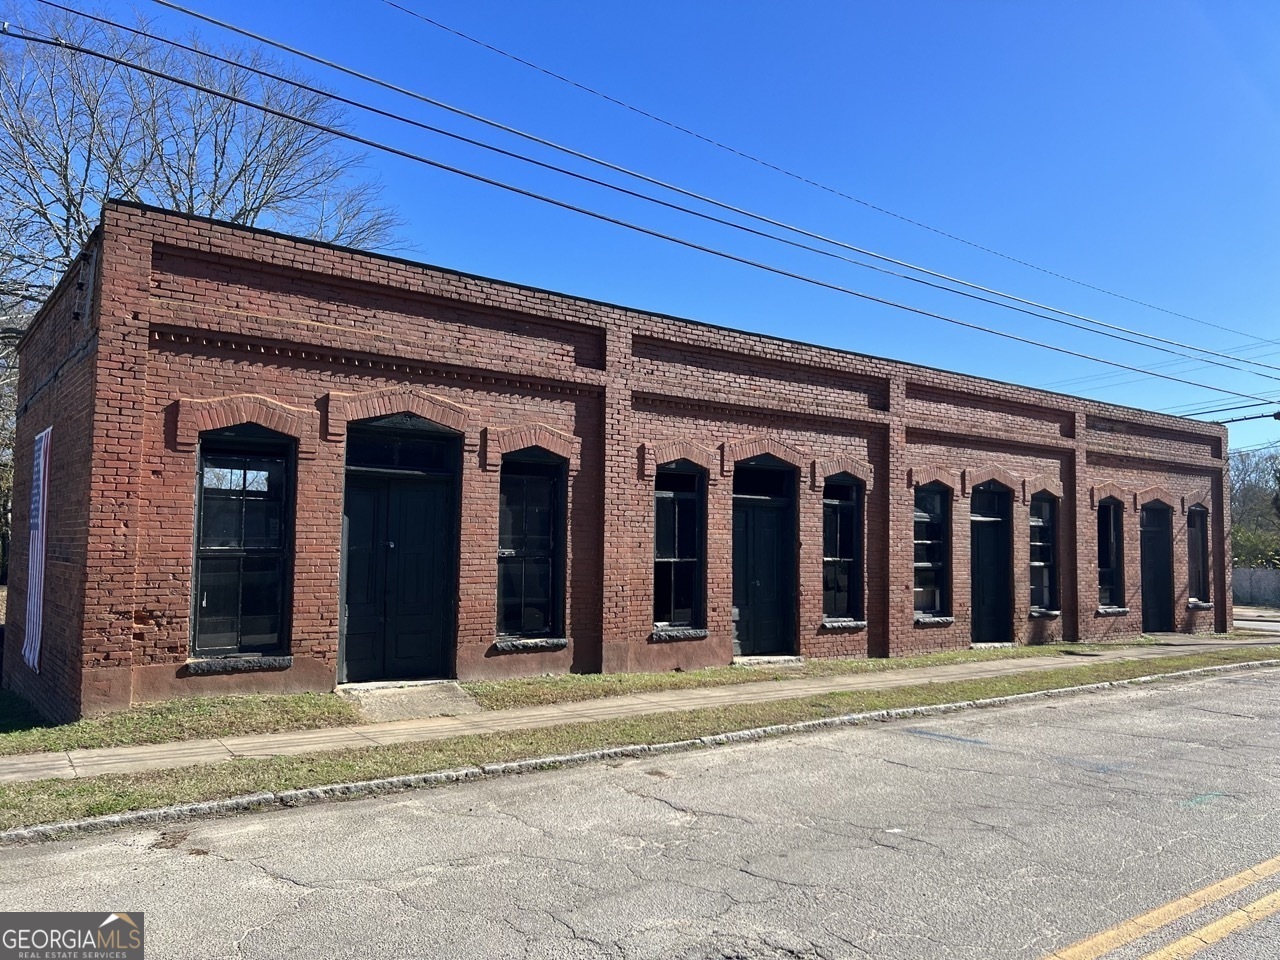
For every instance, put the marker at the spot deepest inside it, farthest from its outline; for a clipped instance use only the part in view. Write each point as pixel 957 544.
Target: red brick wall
pixel 204 325
pixel 55 389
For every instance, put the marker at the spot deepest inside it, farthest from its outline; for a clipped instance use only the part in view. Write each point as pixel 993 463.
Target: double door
pixel 399 591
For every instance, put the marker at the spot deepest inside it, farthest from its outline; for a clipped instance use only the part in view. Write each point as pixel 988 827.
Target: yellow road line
pixel 1121 934
pixel 1233 922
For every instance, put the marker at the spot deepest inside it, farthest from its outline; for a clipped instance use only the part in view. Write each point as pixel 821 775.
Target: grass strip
pixel 574 687
pixel 191 718
pixel 46 801
pixel 22 730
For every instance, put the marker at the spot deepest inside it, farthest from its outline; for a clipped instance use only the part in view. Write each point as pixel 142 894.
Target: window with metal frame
pixel 531 519
pixel 1111 553
pixel 932 551
pixel 842 548
pixel 243 542
pixel 1044 552
pixel 1198 554
pixel 679 508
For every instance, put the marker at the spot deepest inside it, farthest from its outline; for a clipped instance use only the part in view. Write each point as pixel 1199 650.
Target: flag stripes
pixel 35 556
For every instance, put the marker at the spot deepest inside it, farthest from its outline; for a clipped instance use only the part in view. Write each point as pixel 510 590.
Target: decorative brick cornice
pixel 655 455
pixel 971 478
pixel 342 408
pixel 731 453
pixel 498 443
pixel 927 473
pixel 198 416
pixel 1107 488
pixel 1154 494
pixel 819 470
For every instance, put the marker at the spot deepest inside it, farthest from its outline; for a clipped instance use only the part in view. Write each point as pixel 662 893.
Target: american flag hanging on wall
pixel 35 555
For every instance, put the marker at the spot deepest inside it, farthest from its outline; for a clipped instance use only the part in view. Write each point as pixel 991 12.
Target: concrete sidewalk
pixel 1256 614
pixel 88 763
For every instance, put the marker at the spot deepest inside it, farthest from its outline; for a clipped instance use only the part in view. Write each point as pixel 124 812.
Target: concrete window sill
pixel 215 665
pixel 842 623
pixel 1045 614
pixel 934 621
pixel 1112 612
pixel 1199 605
pixel 530 644
pixel 670 634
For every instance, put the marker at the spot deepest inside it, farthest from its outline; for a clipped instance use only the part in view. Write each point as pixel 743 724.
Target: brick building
pixel 273 465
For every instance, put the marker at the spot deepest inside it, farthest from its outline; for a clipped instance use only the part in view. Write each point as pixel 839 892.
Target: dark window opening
pixel 842 549
pixel 764 476
pixel 932 550
pixel 1044 552
pixel 243 542
pixel 679 507
pixel 1110 553
pixel 1198 554
pixel 401 442
pixel 531 523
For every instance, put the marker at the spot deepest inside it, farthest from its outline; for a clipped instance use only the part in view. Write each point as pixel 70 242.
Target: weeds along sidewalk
pixel 80 763
pixel 514 744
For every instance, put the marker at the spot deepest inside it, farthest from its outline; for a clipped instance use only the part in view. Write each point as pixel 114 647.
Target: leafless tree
pixel 76 131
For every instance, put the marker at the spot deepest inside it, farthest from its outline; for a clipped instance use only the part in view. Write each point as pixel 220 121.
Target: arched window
pixel 679 545
pixel 1198 554
pixel 842 548
pixel 933 551
pixel 1044 552
pixel 531 544
pixel 244 541
pixel 1111 553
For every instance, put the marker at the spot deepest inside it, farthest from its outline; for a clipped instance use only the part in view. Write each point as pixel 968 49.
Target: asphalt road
pixel 999 833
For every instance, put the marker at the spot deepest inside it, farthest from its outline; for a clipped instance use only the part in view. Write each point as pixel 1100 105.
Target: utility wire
pixel 533 138
pixel 645 197
pixel 28 36
pixel 1256 416
pixel 785 172
pixel 1238 406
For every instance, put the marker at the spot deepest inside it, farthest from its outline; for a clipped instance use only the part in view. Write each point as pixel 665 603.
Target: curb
pixel 365 788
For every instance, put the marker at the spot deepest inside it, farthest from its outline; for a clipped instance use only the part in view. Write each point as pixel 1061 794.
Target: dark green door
pixel 764 547
pixel 398 599
pixel 990 570
pixel 1157 569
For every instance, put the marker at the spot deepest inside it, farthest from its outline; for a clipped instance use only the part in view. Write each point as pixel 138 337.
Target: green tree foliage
pixel 1255 508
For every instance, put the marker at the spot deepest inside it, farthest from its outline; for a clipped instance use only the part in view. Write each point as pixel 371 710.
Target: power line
pixel 32 37
pixel 1256 416
pixel 533 138
pixel 1239 406
pixel 785 172
pixel 658 201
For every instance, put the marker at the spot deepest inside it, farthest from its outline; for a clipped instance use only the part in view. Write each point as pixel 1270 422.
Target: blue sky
pixel 1133 146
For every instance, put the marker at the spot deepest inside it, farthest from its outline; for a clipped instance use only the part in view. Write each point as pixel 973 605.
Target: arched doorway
pixel 1157 568
pixel 400 549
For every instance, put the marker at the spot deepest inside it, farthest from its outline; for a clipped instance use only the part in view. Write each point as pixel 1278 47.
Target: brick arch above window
pixel 1201 499
pixel 655 455
pixel 1108 488
pixel 925 474
pixel 195 417
pixel 497 443
pixel 342 408
pixel 819 470
pixel 1043 484
pixel 970 478
pixel 1156 494
pixel 731 453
